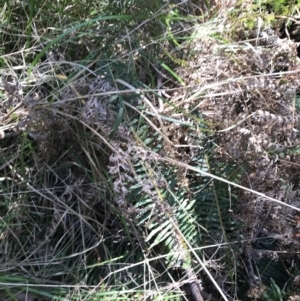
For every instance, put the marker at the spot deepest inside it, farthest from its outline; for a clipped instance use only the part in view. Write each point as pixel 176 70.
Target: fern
pixel 176 209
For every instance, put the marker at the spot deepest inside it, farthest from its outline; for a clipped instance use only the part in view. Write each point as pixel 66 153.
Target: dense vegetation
pixel 149 150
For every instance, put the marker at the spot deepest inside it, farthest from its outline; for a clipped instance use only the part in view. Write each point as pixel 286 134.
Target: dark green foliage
pixel 177 217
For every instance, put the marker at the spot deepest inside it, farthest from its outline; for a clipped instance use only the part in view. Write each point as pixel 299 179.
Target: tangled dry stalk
pixel 91 166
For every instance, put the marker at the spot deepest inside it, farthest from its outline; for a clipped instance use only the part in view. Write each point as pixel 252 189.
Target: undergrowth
pixel 149 150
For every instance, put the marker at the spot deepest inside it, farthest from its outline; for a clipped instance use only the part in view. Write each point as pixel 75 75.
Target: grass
pixel 139 144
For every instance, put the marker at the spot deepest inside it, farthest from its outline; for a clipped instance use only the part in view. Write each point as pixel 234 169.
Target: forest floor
pixel 149 150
